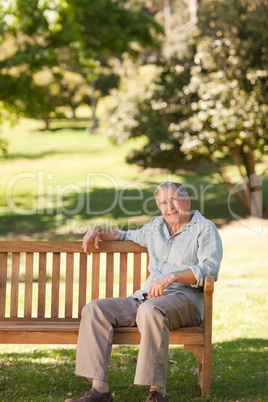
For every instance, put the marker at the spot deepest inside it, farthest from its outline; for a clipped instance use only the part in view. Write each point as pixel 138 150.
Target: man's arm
pixel 157 287
pixel 97 233
pixel 209 255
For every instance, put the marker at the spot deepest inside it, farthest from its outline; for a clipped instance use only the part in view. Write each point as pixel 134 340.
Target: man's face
pixel 175 209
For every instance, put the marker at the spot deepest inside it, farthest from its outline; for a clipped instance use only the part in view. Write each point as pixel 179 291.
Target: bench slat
pixel 123 275
pixel 14 298
pixel 69 337
pixel 28 285
pixel 147 265
pixel 69 285
pixel 52 337
pixel 109 290
pixel 66 331
pixel 82 283
pixel 137 272
pixel 3 281
pixel 69 246
pixel 95 276
pixel 130 335
pixel 42 284
pixel 55 295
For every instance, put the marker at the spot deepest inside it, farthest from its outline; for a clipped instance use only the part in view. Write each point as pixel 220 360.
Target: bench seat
pixel 65 331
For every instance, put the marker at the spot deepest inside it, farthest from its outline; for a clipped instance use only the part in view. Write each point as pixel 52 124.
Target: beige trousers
pixel 154 319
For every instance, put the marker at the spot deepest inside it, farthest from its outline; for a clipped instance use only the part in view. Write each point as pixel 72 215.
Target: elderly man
pixel 184 248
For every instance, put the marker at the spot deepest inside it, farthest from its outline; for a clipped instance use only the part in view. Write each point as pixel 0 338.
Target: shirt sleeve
pixel 139 236
pixel 209 255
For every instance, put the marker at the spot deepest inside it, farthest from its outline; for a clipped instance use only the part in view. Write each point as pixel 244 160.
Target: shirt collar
pixel 196 217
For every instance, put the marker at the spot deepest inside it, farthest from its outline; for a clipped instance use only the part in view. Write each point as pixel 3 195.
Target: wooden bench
pixel 45 284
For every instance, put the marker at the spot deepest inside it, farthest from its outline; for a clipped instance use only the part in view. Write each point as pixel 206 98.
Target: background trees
pixel 200 99
pixel 40 37
pixel 211 104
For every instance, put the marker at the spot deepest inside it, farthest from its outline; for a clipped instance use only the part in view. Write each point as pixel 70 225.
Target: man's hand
pixel 157 287
pixel 93 234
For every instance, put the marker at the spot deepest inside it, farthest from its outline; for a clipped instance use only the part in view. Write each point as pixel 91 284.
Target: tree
pixel 100 87
pixel 73 89
pixel 68 34
pixel 214 104
pixel 31 35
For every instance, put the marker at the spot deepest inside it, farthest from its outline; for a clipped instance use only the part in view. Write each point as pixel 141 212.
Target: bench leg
pixel 204 369
pixel 200 375
pixel 204 380
pixel 206 377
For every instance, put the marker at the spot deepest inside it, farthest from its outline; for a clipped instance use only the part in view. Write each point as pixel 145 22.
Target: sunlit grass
pixel 52 178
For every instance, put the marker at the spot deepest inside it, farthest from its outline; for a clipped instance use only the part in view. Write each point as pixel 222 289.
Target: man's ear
pixel 188 202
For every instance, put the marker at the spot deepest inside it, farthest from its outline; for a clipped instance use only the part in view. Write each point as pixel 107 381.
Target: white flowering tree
pixel 212 106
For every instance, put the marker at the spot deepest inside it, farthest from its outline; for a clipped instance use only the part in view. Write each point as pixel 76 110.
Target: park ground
pixel 240 341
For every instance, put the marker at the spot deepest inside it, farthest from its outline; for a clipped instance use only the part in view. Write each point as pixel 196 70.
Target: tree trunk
pixel 47 122
pixel 74 111
pixel 234 190
pixel 94 106
pixel 253 184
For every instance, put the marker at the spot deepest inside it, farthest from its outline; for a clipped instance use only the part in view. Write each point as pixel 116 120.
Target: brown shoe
pixel 91 394
pixel 155 396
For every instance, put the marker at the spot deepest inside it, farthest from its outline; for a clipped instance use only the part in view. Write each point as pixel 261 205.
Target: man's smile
pixel 173 213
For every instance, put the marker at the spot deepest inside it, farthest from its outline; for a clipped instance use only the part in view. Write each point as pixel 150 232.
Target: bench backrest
pixel 56 279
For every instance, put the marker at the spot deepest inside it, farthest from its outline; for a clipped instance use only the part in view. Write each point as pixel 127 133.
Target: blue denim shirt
pixel 196 246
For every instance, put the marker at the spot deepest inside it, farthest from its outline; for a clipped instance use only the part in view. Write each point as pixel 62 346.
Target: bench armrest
pixel 209 285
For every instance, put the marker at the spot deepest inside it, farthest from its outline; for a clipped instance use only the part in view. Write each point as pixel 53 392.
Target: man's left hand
pixel 157 287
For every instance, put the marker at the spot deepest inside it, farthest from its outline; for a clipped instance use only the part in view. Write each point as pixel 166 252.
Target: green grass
pixel 239 358
pixel 47 374
pixel 67 179
pixel 65 156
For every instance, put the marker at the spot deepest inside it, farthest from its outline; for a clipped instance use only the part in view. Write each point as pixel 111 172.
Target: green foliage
pixel 230 79
pixel 67 34
pixel 111 27
pixel 124 103
pixel 214 103
pixel 157 113
pixel 3 146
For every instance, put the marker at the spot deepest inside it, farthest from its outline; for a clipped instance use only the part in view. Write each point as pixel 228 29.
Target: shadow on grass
pixel 107 204
pixel 239 373
pixel 71 128
pixel 129 208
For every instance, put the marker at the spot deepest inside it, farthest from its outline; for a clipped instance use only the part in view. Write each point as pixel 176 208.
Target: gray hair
pixel 166 184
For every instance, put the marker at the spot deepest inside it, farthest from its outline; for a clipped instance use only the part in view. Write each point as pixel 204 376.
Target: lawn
pixel 57 183
pixel 50 175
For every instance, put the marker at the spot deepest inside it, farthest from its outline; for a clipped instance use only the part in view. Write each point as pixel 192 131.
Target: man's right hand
pixel 93 234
